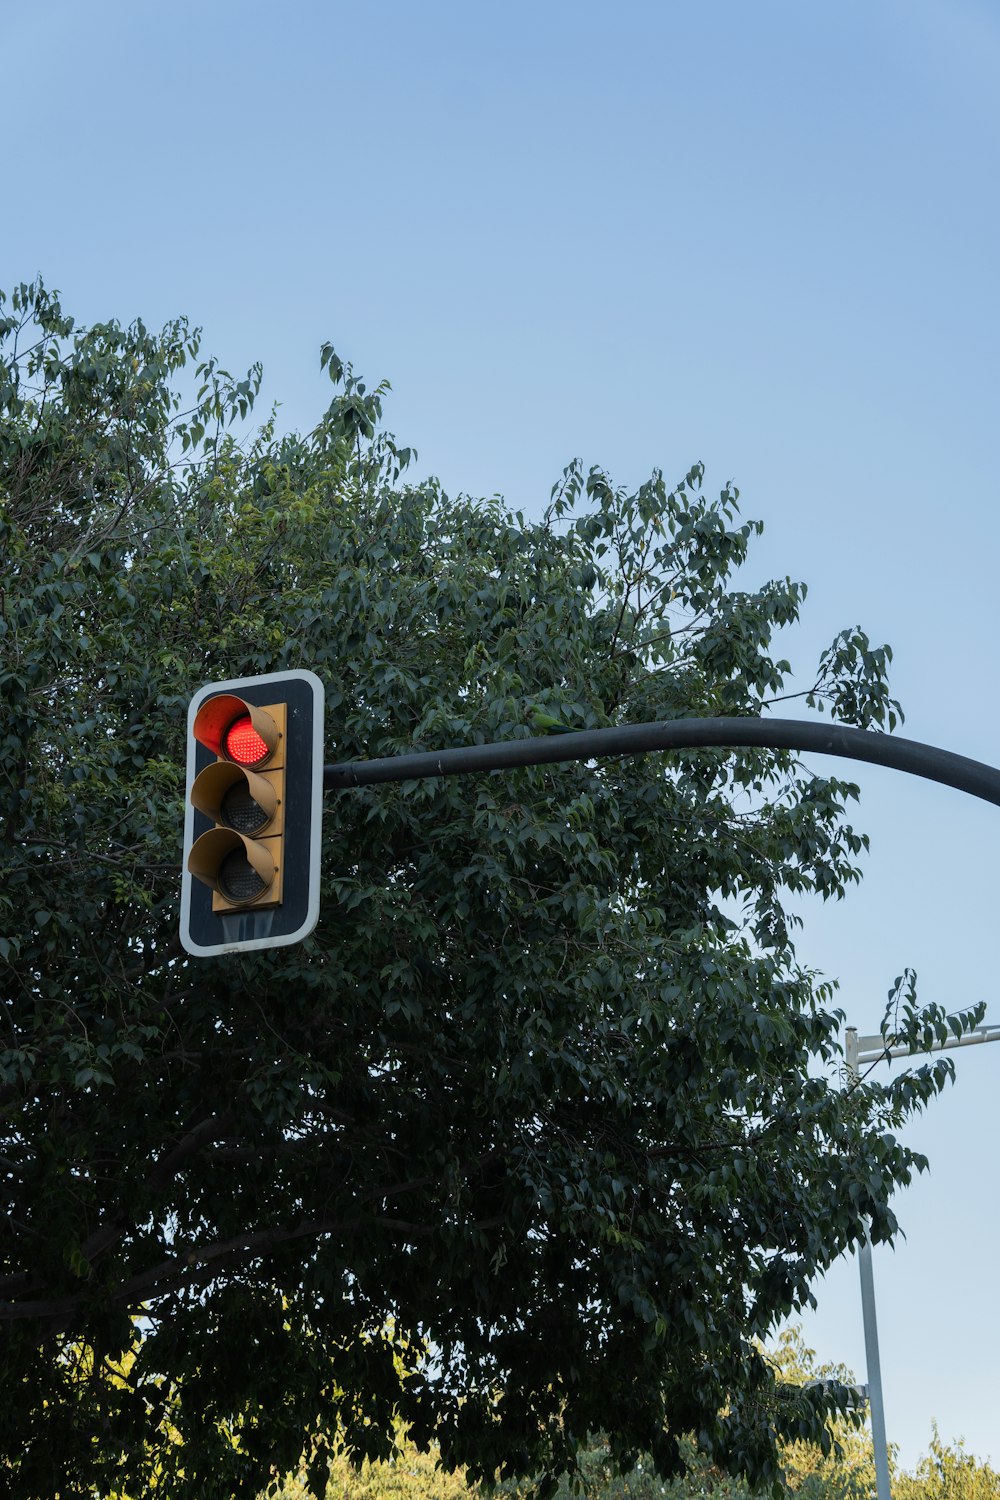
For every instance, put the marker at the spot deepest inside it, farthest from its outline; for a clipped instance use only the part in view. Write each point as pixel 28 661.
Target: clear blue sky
pixel 764 236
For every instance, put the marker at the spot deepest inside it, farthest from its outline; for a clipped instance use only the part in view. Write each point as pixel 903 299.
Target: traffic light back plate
pixel 205 931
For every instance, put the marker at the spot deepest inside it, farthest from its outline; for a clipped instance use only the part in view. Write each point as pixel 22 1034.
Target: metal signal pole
pixel 971 776
pixel 872 1049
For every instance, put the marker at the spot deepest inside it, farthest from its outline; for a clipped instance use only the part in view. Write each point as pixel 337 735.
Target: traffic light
pixel 254 808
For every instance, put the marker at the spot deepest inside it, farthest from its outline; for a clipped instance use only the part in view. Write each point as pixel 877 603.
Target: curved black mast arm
pixel 971 776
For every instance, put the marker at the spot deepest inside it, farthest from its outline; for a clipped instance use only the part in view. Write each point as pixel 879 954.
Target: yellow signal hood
pixel 218 715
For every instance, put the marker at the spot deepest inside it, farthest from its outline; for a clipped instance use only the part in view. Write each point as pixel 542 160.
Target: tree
pixel 542 1128
pixel 845 1471
pixel 840 1468
pixel 948 1472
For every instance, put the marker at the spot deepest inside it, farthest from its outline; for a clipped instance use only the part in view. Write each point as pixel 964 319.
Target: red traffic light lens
pixel 243 744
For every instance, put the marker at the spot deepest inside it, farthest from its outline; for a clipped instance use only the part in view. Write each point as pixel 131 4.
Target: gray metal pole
pixel 879 1441
pixel 970 776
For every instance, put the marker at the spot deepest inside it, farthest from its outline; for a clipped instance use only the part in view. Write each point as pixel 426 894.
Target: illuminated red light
pixel 243 744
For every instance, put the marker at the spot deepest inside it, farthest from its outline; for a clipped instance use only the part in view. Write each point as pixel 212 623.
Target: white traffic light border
pixel 242 930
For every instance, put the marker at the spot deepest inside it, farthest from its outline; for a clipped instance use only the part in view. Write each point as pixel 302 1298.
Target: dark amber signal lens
pixel 239 810
pixel 238 880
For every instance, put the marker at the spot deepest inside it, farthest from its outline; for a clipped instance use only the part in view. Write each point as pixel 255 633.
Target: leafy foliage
pixel 948 1472
pixel 845 1472
pixel 541 1129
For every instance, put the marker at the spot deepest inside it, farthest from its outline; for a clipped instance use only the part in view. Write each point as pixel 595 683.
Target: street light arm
pixel 971 776
pixel 873 1049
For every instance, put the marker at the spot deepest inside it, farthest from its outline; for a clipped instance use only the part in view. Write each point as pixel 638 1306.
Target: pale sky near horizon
pixel 763 236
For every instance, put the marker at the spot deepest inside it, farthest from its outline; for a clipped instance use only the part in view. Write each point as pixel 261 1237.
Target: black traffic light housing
pixel 253 817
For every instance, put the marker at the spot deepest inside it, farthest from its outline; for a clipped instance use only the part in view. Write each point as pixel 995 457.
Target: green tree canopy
pixel 948 1471
pixel 538 1132
pixel 844 1470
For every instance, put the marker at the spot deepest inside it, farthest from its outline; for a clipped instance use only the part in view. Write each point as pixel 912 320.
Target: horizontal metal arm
pixel 873 1048
pixel 970 776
